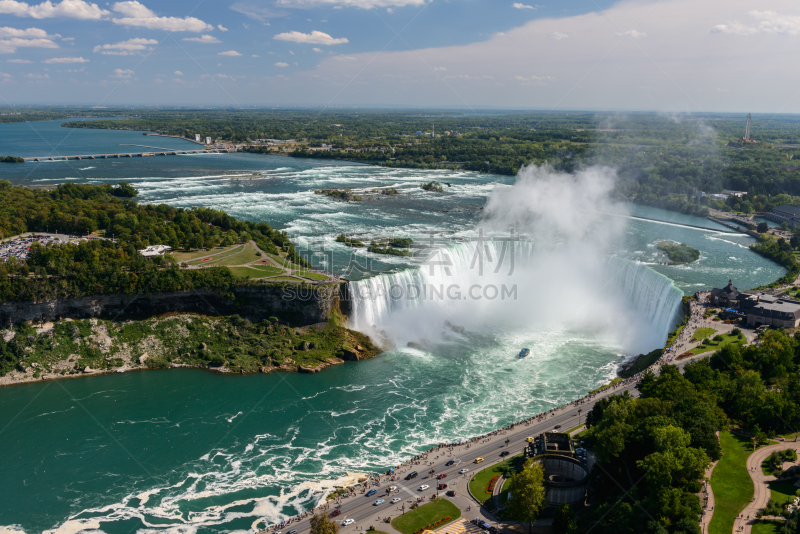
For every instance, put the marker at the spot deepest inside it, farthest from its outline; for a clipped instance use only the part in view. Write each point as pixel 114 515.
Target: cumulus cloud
pixel 126 48
pixel 315 49
pixel 230 53
pixel 66 60
pixel 209 39
pixel 363 4
pixel 133 13
pixel 557 36
pixel 29 33
pixel 281 64
pixel 762 22
pixel 75 9
pixel 520 5
pixel 34 76
pixel 631 33
pixel 122 73
pixel 315 37
pixel 256 12
pixel 178 73
pixel 222 28
pixel 13 38
pixel 21 61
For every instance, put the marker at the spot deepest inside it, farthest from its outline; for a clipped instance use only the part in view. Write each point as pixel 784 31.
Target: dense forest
pixel 657 446
pixel 115 266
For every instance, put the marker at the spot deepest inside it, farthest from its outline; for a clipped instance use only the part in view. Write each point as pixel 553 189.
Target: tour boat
pixel 524 352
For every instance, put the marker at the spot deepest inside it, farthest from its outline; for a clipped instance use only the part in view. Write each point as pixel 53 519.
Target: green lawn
pixel 479 481
pixel 425 515
pixel 311 275
pixel 255 271
pixel 245 256
pixel 763 526
pixel 702 333
pixel 782 490
pixel 731 483
pixel 182 256
pixel 727 339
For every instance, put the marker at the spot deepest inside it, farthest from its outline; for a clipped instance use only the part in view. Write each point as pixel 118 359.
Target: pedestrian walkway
pixel 459 526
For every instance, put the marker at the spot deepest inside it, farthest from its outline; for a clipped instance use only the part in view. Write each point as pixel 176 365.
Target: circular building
pixel 565 479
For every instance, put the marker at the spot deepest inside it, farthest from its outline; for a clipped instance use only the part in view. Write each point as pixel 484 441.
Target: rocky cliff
pixel 295 304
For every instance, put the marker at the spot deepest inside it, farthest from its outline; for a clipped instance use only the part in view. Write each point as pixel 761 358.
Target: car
pixel 292 532
pixel 504 453
pixel 372 492
pixel 335 513
pixel 443 475
pixel 423 487
pixel 348 522
pixel 478 460
pixel 529 438
pixel 451 462
pixel 451 493
pixel 441 486
pixel 556 427
pixel 396 499
pixel 392 488
pixel 379 501
pixel 463 471
pixel 412 474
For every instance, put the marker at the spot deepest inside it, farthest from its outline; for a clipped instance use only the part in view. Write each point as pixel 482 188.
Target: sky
pixel 661 55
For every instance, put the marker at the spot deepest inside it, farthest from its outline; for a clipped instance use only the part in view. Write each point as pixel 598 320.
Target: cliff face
pixel 299 305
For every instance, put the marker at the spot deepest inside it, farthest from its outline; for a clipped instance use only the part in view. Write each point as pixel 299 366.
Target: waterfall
pixel 622 301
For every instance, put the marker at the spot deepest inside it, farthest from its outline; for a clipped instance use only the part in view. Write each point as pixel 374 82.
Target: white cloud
pixel 122 73
pixel 68 39
pixel 557 36
pixel 222 28
pixel 126 48
pixel 255 55
pixel 209 39
pixel 75 9
pixel 30 33
pixel 635 34
pixel 765 22
pixel 519 5
pixel 33 76
pixel 178 73
pixel 230 53
pixel 21 61
pixel 315 49
pixel 281 64
pixel 65 60
pixel 338 4
pixel 315 37
pixel 255 12
pixel 9 46
pixel 133 13
pixel 5 75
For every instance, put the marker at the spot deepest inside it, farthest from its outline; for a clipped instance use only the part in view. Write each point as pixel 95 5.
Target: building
pixel 774 311
pixel 208 141
pixel 197 137
pixel 785 213
pixel 727 297
pixel 737 194
pixel 154 250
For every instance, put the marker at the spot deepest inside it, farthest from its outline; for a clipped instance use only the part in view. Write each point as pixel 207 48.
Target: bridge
pixel 132 154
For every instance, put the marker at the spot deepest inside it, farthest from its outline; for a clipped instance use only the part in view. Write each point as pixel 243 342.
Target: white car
pixel 393 488
pixel 423 487
pixel 348 522
pixel 396 499
pixel 463 471
pixel 379 501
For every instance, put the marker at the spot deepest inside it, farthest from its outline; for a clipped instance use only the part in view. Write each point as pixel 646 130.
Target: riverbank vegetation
pixel 11 159
pixel 232 343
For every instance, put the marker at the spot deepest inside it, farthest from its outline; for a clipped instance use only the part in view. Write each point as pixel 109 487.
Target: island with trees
pixel 679 253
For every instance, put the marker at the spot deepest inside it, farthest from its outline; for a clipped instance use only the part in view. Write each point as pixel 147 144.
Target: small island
pixel 679 252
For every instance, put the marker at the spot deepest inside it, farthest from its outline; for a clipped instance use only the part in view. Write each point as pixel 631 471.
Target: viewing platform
pixel 131 154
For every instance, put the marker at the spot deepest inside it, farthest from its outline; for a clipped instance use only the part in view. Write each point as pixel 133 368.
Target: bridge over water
pixel 131 154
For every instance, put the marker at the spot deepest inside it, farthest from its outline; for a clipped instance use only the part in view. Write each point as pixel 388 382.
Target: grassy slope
pixel 731 483
pixel 426 514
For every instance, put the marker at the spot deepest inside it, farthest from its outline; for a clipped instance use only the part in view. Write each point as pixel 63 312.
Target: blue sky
pixel 670 55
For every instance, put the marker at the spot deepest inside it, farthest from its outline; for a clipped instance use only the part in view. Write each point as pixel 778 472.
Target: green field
pixel 763 526
pixel 479 481
pixel 182 256
pixel 782 490
pixel 731 482
pixel 311 275
pixel 255 271
pixel 702 333
pixel 727 339
pixel 425 515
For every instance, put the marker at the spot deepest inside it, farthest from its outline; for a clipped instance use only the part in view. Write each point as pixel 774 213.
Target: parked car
pixel 451 493
pixel 335 513
pixel 372 492
pixel 463 471
pixel 423 487
pixel 412 474
pixel 443 475
pixel 441 486
pixel 451 462
pixel 379 501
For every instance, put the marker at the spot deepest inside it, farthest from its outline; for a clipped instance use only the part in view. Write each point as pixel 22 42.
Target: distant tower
pixel 747 130
pixel 433 130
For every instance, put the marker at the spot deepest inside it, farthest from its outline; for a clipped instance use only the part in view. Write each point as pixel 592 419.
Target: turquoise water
pixel 192 451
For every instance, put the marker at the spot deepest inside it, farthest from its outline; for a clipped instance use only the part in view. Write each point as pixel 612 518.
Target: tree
pixel 322 524
pixel 527 493
pixel 784 226
pixel 563 520
pixel 762 228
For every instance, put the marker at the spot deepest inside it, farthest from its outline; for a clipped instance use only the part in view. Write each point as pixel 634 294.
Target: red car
pixel 442 486
pixel 335 513
pixel 443 475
